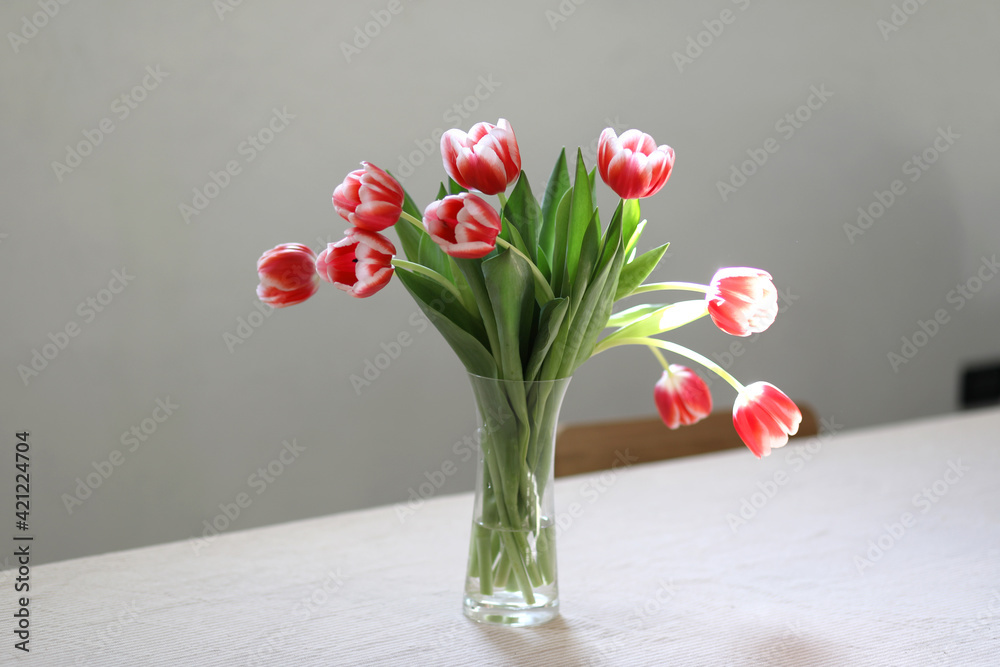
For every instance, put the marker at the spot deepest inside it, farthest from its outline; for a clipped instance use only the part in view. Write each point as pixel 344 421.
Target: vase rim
pixel 484 377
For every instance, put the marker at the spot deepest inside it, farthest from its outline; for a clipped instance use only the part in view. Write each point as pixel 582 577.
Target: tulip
pixel 742 301
pixel 369 198
pixel 463 225
pixel 764 417
pixel 287 275
pixel 682 397
pixel 633 165
pixel 486 159
pixel 360 263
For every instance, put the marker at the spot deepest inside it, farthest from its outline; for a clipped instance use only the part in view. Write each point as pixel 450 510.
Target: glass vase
pixel 512 578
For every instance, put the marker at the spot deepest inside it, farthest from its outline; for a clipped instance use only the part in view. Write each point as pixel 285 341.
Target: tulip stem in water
pixel 684 352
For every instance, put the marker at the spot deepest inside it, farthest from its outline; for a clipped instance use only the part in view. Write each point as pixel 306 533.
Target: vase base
pixel 511 615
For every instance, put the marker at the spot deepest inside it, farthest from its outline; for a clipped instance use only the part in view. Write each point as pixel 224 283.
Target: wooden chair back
pixel 590 447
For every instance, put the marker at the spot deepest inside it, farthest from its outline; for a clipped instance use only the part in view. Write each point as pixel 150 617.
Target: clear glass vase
pixel 511 578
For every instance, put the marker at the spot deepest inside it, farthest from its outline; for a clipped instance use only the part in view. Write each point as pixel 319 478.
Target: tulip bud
pixel 463 225
pixel 633 165
pixel 682 397
pixel 742 301
pixel 287 275
pixel 369 198
pixel 359 264
pixel 764 417
pixel 486 159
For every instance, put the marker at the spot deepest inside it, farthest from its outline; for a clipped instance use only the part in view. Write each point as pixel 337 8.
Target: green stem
pixel 503 200
pixel 539 278
pixel 659 357
pixel 419 224
pixel 684 352
pixel 658 287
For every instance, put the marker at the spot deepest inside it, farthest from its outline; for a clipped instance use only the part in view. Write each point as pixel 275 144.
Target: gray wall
pixel 167 334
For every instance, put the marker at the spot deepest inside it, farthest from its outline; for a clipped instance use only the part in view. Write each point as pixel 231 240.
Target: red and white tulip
pixel 764 417
pixel 633 165
pixel 486 159
pixel 742 301
pixel 359 264
pixel 682 397
pixel 369 198
pixel 287 275
pixel 463 225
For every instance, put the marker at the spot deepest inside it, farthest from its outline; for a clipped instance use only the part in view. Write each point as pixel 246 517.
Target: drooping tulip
pixel 359 263
pixel 682 397
pixel 369 198
pixel 764 417
pixel 633 165
pixel 742 301
pixel 486 159
pixel 463 225
pixel 287 275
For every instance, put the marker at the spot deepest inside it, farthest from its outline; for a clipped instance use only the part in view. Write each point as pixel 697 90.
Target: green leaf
pixel 454 187
pixel 601 311
pixel 442 191
pixel 667 318
pixel 511 289
pixel 633 274
pixel 630 315
pixel 612 240
pixel 630 246
pixel 470 350
pixel 558 256
pixel 589 251
pixel 430 255
pixel 590 317
pixel 409 235
pixel 581 216
pixel 549 321
pixel 557 186
pixel 523 213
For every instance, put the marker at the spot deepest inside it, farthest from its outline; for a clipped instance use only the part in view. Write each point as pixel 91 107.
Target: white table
pixel 847 564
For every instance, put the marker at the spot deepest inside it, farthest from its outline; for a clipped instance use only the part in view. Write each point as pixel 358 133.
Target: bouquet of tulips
pixel 523 290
